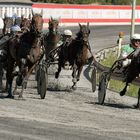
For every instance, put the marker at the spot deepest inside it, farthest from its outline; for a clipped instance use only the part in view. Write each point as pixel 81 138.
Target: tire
pixel 93 80
pixel 102 90
pixel 42 81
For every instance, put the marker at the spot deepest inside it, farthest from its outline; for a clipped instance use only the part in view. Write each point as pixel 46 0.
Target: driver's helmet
pixel 135 37
pixel 135 40
pixel 68 32
pixel 15 28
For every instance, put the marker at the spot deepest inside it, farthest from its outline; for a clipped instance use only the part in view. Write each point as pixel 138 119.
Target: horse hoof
pixel 122 93
pixel 10 96
pixel 74 87
pixel 20 97
pixel 136 106
pixel 78 79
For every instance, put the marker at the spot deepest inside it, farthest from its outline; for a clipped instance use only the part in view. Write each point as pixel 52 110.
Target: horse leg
pixel 15 90
pixel 25 80
pixel 138 102
pixel 79 72
pixel 74 80
pixel 59 68
pixel 1 75
pixel 9 77
pixel 122 93
pixel 24 84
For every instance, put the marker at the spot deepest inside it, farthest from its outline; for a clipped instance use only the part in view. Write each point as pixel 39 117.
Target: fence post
pixel 133 17
pixel 121 35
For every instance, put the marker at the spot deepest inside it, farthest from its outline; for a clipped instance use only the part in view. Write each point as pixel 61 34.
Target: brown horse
pixel 76 53
pixel 25 23
pixel 52 37
pixel 131 72
pixel 8 23
pixel 27 54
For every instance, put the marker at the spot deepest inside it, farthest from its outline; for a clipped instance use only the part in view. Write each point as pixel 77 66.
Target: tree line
pixel 103 2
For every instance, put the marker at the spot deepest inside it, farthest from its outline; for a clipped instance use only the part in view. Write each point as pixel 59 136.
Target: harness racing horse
pixel 132 72
pixel 25 23
pixel 52 38
pixel 76 54
pixel 28 52
pixel 8 23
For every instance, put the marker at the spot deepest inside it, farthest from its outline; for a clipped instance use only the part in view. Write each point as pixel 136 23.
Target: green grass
pixel 111 58
pixel 116 85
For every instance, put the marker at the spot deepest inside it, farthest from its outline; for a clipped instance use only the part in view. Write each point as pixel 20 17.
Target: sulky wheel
pixel 42 81
pixel 93 79
pixel 102 89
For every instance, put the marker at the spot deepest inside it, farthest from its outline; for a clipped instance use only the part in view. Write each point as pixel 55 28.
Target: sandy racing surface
pixel 66 115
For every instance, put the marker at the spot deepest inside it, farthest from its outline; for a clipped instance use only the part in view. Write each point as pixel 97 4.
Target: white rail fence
pixel 73 14
pixel 11 9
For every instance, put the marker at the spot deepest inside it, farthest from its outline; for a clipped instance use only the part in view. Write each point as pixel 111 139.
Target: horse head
pixel 37 23
pixel 53 25
pixel 25 24
pixel 36 50
pixel 84 32
pixel 8 23
pixel 17 21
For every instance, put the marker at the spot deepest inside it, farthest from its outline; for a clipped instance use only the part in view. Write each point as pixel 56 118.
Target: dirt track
pixel 68 115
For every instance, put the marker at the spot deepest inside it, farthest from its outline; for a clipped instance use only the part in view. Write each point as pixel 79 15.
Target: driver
pixel 129 48
pixel 15 29
pixel 67 38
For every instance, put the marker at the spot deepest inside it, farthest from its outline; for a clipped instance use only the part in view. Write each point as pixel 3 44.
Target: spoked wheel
pixel 93 79
pixel 102 89
pixel 42 81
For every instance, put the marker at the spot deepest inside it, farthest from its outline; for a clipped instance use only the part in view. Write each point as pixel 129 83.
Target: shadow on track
pixel 113 105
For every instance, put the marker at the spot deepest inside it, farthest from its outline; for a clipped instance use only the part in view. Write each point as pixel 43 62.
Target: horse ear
pixel 32 13
pixel 5 15
pixel 51 18
pixel 41 12
pixel 22 17
pixel 88 25
pixel 80 25
pixel 30 17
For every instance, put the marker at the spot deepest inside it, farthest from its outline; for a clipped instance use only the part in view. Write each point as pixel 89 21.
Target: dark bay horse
pixel 76 54
pixel 52 37
pixel 25 51
pixel 25 23
pixel 8 23
pixel 132 72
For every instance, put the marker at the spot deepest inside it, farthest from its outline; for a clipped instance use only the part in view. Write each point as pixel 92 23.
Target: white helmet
pixel 68 32
pixel 136 37
pixel 15 28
